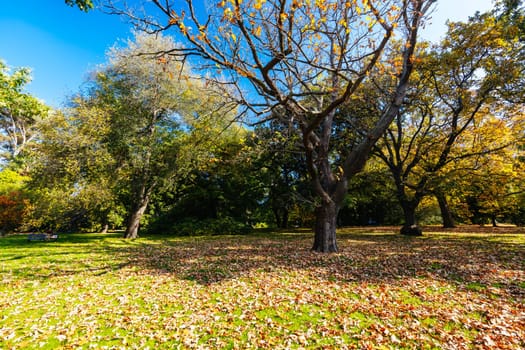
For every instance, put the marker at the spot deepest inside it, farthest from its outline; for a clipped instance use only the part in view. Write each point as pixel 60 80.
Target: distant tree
pixel 493 188
pixel 14 203
pixel 223 187
pixel 371 198
pixel 282 171
pixel 19 112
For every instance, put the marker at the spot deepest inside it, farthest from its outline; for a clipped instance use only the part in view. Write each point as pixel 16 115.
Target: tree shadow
pixel 71 254
pixel 474 263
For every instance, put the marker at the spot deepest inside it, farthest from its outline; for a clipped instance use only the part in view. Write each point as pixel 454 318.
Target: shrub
pixel 205 227
pixel 13 207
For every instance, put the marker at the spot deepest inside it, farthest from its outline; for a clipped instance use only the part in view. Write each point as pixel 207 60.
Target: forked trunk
pixel 325 226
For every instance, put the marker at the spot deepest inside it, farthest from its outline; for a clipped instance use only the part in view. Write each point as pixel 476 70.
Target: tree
pixel 71 187
pixel 303 59
pixel 282 171
pixel 144 100
pixel 371 198
pixel 491 191
pixel 141 121
pixel 19 112
pixel 221 190
pixel 465 104
pixel 83 5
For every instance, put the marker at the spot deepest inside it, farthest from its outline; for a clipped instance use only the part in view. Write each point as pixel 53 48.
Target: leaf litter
pixel 382 291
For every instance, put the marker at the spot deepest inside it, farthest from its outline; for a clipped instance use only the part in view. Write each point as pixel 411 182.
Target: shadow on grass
pixel 474 263
pixel 69 255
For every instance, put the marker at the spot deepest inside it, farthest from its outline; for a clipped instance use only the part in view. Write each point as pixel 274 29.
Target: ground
pixel 454 289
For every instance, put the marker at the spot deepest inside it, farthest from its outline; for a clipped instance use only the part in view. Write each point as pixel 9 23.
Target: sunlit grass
pixel 265 290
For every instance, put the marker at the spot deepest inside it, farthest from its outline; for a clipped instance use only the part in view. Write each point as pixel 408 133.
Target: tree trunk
pixel 446 214
pixel 277 217
pixel 105 228
pixel 410 227
pixel 325 226
pixel 281 217
pixel 284 223
pixel 132 230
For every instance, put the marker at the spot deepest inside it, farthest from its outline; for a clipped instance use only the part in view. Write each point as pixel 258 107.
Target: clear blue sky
pixel 62 44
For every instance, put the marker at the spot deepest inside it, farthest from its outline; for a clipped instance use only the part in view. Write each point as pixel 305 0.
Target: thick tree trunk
pixel 277 217
pixel 410 227
pixel 105 228
pixel 284 219
pixel 281 217
pixel 325 226
pixel 446 214
pixel 132 230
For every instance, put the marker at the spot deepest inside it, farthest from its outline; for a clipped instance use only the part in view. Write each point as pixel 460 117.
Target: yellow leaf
pixel 258 4
pixel 257 31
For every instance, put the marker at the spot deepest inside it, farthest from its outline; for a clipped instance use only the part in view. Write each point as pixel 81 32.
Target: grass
pixel 384 291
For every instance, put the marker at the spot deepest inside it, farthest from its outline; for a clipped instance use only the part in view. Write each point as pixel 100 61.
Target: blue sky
pixel 61 44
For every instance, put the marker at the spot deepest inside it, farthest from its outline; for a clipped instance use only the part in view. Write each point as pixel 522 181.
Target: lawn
pixel 446 290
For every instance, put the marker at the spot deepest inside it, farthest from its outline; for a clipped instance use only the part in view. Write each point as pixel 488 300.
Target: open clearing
pixel 446 290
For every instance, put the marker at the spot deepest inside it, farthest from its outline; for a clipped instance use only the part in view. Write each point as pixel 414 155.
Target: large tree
pixel 139 122
pixel 303 59
pixel 465 105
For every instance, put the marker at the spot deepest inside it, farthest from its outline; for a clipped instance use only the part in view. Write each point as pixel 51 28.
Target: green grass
pixel 263 291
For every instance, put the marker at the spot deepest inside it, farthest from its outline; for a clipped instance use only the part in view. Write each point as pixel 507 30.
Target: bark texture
pixel 132 229
pixel 325 228
pixel 410 227
pixel 446 214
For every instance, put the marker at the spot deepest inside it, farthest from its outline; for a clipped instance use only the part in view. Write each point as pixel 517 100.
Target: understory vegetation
pixel 461 289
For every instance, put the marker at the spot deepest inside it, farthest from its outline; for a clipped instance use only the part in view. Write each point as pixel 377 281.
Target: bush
pixel 204 227
pixel 13 207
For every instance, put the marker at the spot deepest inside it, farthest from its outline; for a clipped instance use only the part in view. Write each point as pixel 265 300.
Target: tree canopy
pixel 83 5
pixel 19 112
pixel 275 114
pixel 303 60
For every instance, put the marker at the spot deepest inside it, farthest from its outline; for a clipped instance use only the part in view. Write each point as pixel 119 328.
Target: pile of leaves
pixel 443 290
